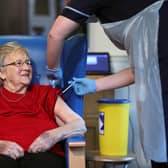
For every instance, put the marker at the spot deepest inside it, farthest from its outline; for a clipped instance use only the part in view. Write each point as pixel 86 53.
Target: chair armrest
pixel 76 141
pixel 75 152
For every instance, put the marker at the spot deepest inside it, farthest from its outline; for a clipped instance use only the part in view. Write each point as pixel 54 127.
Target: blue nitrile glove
pixel 55 77
pixel 83 86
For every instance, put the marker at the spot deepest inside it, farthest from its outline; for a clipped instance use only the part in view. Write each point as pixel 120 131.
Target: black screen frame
pixel 99 72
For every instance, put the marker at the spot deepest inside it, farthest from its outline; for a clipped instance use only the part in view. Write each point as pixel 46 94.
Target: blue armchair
pixel 73 63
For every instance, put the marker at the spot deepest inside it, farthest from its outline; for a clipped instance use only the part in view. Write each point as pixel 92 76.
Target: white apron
pixel 138 35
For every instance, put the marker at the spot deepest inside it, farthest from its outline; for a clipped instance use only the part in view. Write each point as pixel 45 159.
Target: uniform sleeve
pixel 81 10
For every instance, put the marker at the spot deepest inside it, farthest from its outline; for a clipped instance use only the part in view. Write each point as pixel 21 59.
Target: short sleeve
pixel 51 100
pixel 46 97
pixel 81 11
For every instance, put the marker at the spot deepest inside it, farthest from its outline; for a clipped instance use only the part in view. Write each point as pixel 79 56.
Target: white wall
pixel 99 42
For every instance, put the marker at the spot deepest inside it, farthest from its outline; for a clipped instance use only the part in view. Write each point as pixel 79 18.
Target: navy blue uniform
pixel 105 10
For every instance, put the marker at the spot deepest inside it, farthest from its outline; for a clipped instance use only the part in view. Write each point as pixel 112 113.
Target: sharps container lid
pixel 113 101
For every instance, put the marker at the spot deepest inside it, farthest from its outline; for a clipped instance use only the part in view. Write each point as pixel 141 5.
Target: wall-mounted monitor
pixel 98 63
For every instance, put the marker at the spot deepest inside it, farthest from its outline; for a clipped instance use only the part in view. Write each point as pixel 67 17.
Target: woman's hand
pixel 11 149
pixel 44 142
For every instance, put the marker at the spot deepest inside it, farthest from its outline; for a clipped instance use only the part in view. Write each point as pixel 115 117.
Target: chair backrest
pixel 73 61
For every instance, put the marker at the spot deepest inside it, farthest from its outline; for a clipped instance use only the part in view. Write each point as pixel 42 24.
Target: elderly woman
pixel 33 118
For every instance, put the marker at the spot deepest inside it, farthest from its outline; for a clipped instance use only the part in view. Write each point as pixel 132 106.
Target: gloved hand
pixel 55 77
pixel 84 86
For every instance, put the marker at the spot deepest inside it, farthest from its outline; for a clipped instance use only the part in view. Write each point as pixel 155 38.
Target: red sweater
pixel 24 117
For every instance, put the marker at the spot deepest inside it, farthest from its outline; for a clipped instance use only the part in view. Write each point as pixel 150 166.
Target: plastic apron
pixel 138 35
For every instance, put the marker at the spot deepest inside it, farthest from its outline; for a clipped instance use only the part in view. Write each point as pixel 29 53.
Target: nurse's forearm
pixel 117 80
pixel 60 30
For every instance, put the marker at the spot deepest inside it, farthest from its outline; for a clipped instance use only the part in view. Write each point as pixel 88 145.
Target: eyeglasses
pixel 18 63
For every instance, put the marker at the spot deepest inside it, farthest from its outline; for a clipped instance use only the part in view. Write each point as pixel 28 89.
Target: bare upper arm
pixel 63 112
pixel 62 27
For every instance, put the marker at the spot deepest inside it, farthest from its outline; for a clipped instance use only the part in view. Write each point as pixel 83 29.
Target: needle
pixel 67 88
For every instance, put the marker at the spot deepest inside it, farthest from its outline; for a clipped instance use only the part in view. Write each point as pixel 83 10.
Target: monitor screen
pixel 98 63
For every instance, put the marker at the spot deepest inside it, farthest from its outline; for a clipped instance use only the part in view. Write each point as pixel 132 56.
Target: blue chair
pixel 73 63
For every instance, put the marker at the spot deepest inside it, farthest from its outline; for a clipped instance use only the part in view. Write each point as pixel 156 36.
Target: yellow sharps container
pixel 113 126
